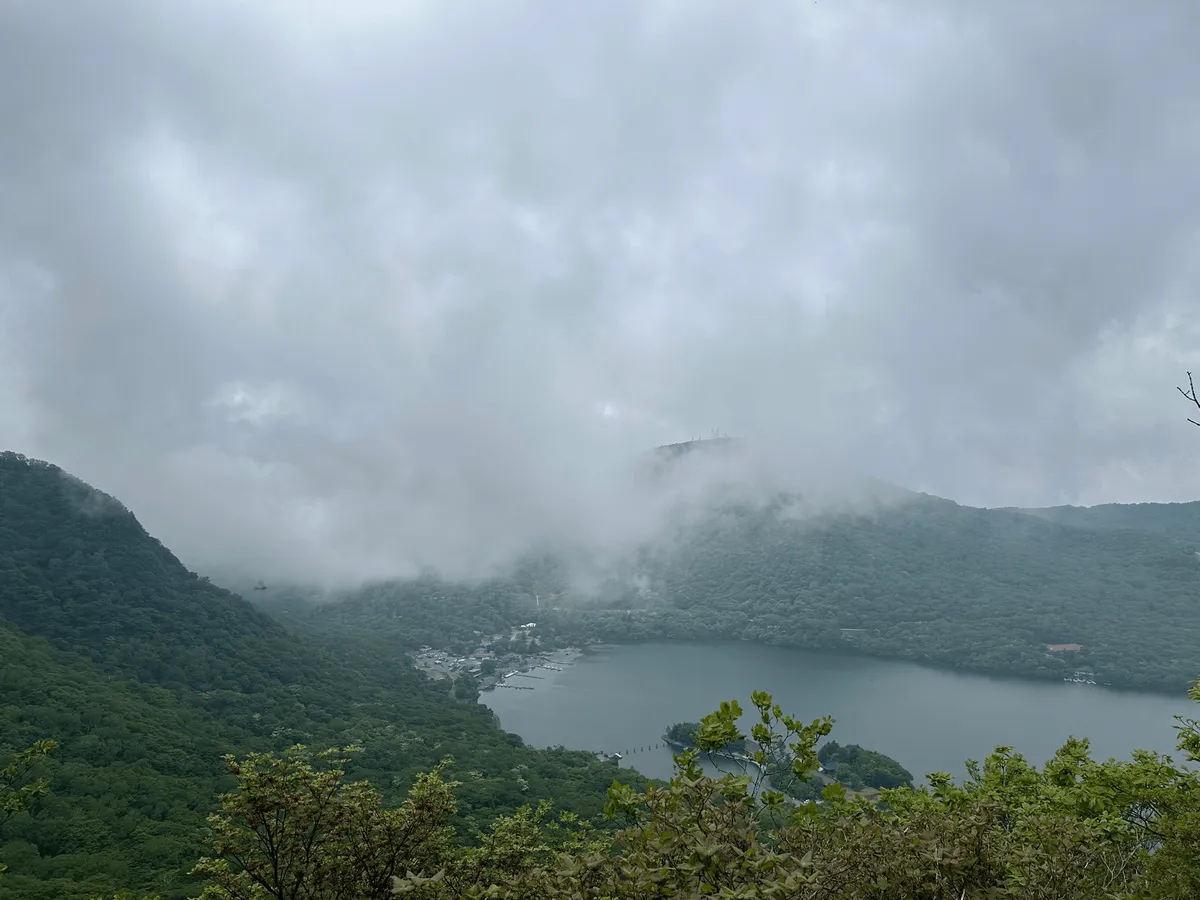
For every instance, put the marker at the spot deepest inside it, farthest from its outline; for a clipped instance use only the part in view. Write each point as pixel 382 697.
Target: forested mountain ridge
pixel 1178 521
pixel 145 674
pixel 929 579
pixel 77 568
pixel 894 574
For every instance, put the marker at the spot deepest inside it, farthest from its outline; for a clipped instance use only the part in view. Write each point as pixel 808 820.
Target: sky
pixel 336 288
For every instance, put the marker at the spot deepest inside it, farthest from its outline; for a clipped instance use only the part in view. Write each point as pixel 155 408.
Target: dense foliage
pixel 856 767
pixel 683 735
pixel 1074 830
pixel 928 580
pixel 19 788
pixel 146 675
pixel 416 613
pixel 1178 521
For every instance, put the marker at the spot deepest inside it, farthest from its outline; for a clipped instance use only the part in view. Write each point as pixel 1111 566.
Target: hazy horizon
pixel 345 289
pixel 663 501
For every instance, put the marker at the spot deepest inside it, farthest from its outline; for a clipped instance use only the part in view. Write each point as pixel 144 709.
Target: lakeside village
pixel 512 660
pixel 489 667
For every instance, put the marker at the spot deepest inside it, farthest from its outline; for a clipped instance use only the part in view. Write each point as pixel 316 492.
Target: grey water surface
pixel 622 698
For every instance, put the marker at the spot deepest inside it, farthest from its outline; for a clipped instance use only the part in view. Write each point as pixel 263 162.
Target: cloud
pixel 341 289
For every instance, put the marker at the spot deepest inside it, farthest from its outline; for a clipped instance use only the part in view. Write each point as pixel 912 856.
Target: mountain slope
pixel 146 674
pixel 933 580
pixel 77 568
pixel 134 773
pixel 892 574
pixel 1179 521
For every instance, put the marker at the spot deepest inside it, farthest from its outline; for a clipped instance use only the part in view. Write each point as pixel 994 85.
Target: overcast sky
pixel 337 287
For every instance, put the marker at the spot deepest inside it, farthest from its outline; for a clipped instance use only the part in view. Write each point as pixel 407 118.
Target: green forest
pixel 930 580
pixel 685 735
pixel 856 767
pixel 917 578
pixel 852 766
pixel 146 675
pixel 161 736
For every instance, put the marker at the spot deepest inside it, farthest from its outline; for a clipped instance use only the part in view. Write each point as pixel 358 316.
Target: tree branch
pixel 1190 395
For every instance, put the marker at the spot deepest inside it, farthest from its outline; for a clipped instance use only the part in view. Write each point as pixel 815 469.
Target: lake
pixel 622 698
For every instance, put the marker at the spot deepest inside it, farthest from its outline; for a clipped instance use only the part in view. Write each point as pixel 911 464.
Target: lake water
pixel 622 698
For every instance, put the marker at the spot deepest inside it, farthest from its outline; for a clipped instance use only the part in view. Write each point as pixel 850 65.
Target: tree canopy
pixel 1072 830
pixel 146 675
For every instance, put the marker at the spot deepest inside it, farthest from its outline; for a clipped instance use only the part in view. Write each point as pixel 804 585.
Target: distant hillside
pixel 737 469
pixel 135 771
pixel 888 572
pixel 671 459
pixel 1180 521
pixel 928 579
pixel 697 445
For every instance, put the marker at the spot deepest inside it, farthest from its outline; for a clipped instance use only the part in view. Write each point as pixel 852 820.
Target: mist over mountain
pixel 378 325
pixel 1179 521
pixel 646 509
pixel 851 563
pixel 342 322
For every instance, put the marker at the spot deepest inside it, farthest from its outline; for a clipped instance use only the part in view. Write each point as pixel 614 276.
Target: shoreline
pixel 550 660
pixel 998 674
pixel 572 654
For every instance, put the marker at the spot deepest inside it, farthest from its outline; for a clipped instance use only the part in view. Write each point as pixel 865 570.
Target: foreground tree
pixel 294 829
pixel 19 790
pixel 1075 829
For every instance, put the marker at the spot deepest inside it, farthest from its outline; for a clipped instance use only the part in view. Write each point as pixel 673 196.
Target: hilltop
pixel 697 445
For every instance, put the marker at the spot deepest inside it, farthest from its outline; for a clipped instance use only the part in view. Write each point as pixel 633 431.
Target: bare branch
pixel 1190 395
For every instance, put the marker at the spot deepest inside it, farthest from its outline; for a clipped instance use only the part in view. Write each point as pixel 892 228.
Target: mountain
pixel 145 674
pixel 78 569
pixel 929 579
pixel 135 771
pixel 877 570
pixel 1180 521
pixel 682 449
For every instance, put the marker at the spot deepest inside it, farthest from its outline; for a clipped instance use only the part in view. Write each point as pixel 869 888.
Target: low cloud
pixel 341 290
